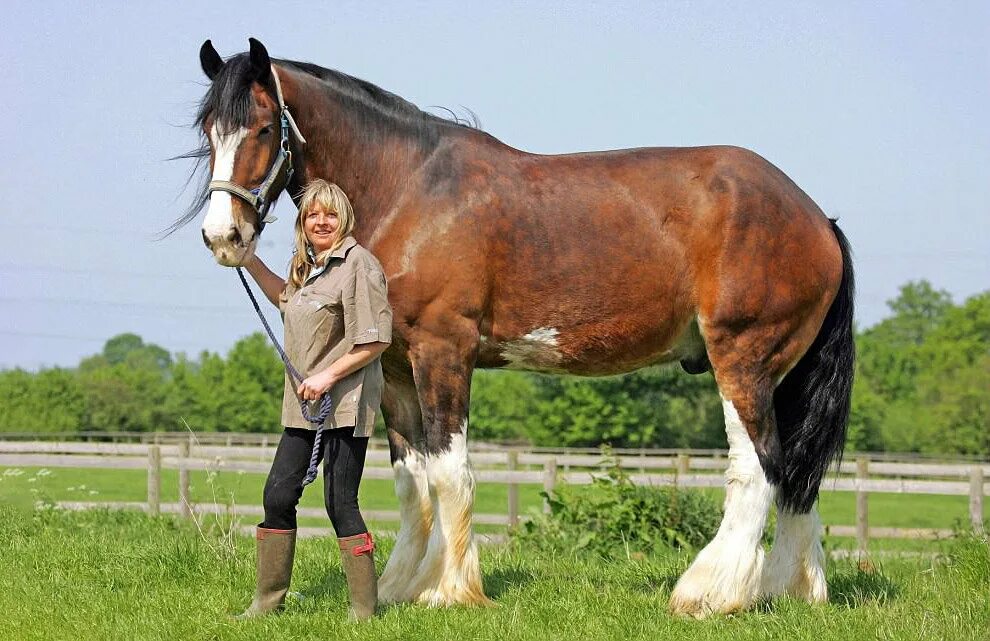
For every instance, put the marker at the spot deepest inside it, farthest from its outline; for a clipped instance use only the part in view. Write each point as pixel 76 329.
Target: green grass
pixel 70 484
pixel 122 575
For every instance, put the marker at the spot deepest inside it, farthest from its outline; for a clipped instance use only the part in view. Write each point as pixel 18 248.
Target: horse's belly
pixel 595 348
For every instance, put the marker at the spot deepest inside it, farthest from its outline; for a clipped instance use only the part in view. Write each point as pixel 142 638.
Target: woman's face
pixel 321 227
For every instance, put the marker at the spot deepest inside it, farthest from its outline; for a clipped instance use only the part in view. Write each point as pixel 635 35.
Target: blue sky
pixel 878 110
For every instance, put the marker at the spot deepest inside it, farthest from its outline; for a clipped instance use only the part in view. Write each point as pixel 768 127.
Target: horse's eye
pixel 267 129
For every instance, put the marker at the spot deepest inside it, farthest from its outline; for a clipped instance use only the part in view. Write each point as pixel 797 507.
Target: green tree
pixel 888 352
pixel 48 401
pixel 503 406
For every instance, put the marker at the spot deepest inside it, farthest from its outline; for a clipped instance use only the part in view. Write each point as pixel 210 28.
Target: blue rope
pixel 325 404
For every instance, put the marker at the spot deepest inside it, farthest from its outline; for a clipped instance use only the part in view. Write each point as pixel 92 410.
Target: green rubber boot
pixel 276 549
pixel 357 556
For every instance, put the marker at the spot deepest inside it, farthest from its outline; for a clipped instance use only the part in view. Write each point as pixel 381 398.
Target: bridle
pixel 262 197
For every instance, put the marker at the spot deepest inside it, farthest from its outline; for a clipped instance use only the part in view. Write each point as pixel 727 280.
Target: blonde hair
pixel 332 198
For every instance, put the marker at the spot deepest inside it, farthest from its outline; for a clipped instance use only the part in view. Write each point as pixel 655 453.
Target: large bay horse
pixel 589 264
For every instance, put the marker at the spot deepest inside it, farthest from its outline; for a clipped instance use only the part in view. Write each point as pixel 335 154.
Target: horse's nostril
pixel 206 240
pixel 234 236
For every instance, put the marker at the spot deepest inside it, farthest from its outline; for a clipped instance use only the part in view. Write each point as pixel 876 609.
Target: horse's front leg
pixel 404 421
pixel 450 572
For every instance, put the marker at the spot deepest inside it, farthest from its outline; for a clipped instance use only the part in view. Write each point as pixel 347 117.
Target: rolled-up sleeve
pixel 367 314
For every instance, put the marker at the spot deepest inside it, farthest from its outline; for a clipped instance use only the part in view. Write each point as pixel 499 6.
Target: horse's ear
pixel 210 60
pixel 261 64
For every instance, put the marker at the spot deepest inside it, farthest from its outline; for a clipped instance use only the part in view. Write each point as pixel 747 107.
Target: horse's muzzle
pixel 230 249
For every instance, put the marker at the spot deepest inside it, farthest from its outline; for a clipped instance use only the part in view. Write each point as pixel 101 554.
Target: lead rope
pixel 325 403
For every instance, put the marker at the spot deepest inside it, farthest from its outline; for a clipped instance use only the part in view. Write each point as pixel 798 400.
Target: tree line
pixel 922 384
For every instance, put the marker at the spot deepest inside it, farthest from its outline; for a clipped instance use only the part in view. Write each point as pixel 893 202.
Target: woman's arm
pixel 269 282
pixel 314 386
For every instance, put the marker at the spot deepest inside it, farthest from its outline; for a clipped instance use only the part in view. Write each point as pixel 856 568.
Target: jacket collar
pixel 341 252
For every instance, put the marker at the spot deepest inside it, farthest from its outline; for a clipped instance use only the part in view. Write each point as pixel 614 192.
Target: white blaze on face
pixel 219 219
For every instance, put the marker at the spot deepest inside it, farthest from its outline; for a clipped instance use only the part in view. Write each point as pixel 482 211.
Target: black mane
pixel 228 101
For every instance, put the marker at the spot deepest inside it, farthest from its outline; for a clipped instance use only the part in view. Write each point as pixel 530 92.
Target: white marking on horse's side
pixel 220 215
pixel 725 577
pixel 450 571
pixel 796 565
pixel 416 510
pixel 537 350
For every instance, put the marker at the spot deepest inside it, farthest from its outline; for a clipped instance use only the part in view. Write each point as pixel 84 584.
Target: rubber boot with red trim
pixel 357 556
pixel 276 549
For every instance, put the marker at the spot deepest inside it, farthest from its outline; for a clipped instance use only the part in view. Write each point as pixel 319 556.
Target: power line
pixel 212 309
pixel 58 336
pixel 88 339
pixel 104 272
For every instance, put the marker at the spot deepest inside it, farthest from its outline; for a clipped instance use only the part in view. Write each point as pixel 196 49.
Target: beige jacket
pixel 344 305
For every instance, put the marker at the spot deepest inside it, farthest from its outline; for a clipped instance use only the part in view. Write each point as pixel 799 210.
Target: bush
pixel 614 518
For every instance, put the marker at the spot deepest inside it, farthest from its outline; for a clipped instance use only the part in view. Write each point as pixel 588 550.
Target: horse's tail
pixel 812 402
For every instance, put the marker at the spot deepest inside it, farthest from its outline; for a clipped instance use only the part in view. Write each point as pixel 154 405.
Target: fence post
pixel 185 502
pixel 683 467
pixel 512 462
pixel 862 506
pixel 976 498
pixel 154 480
pixel 549 480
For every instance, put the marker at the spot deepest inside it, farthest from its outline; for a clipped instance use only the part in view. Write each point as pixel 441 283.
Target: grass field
pixel 123 575
pixel 22 487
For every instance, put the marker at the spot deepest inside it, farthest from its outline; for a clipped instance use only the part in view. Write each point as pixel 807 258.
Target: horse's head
pixel 248 131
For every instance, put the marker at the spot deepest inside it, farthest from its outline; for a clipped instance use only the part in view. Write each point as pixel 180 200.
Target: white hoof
pixel 721 580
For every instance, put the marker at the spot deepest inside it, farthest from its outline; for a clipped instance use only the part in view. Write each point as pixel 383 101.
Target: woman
pixel 337 324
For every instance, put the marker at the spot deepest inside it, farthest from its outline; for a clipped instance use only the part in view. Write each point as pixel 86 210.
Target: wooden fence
pixel 509 466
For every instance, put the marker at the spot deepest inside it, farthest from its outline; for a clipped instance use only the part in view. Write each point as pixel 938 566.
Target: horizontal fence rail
pixel 513 467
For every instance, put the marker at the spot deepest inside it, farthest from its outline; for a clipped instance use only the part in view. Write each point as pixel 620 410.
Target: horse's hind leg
pixel 797 561
pixel 404 421
pixel 725 576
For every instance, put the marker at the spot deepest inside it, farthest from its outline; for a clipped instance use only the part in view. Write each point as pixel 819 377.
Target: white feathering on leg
pixel 416 510
pixel 725 577
pixel 796 565
pixel 450 571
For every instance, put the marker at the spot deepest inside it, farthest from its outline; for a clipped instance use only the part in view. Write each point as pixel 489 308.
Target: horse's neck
pixel 370 162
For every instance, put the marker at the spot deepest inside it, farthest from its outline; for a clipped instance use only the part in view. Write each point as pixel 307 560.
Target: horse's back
pixel 602 262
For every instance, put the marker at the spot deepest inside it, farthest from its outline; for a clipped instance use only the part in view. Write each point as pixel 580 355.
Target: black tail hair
pixel 812 402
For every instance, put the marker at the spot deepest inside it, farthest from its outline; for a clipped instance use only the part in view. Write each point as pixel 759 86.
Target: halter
pixel 263 196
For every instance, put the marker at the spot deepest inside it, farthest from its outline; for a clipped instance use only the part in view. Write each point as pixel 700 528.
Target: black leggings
pixel 343 463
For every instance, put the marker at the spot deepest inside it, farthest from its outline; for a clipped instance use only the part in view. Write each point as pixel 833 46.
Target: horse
pixel 584 264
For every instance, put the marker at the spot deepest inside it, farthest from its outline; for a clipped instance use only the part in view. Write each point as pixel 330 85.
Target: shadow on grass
pixel 501 580
pixel 858 587
pixel 331 586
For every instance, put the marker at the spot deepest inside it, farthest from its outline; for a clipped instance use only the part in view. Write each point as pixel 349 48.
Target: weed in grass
pixel 615 518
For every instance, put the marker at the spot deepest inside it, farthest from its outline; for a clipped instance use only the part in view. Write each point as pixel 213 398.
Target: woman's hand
pixel 360 355
pixel 313 387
